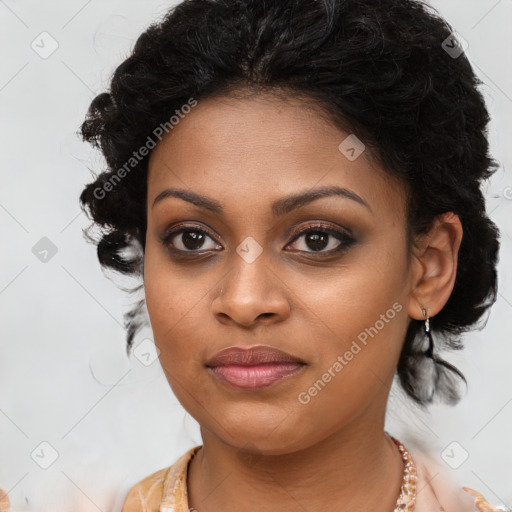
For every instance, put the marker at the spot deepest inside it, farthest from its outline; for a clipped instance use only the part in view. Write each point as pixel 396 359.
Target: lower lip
pixel 257 376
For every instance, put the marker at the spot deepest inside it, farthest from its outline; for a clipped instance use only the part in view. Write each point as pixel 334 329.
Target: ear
pixel 434 266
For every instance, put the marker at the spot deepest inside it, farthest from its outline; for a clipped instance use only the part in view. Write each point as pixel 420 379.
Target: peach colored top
pixel 166 490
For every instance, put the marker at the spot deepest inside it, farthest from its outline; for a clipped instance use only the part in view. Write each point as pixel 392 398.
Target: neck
pixel 354 469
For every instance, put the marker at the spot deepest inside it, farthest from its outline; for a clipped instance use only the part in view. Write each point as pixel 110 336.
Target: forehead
pixel 260 148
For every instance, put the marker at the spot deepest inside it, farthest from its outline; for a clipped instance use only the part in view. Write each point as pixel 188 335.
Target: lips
pixel 251 356
pixel 254 368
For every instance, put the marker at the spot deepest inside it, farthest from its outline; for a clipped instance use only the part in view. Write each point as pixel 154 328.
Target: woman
pixel 298 185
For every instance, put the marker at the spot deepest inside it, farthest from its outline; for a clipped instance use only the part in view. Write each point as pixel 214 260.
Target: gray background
pixel 64 378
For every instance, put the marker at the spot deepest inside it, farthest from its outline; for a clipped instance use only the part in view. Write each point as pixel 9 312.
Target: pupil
pixel 318 241
pixel 192 239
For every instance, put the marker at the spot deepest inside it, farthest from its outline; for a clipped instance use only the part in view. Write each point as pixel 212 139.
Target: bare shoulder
pixel 146 495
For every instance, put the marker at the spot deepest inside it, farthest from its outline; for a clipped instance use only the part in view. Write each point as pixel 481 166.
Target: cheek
pixel 360 300
pixel 169 300
pixel 170 292
pixel 176 300
pixel 357 364
pixel 362 313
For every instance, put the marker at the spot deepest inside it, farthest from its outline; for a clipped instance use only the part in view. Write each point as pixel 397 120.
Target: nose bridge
pixel 250 288
pixel 249 265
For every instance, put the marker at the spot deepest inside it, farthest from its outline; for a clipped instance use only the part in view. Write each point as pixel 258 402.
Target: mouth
pixel 254 368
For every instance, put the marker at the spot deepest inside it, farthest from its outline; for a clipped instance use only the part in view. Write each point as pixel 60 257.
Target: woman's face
pixel 335 298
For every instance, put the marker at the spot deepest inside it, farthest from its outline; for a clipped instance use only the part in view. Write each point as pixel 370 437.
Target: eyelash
pixel 345 240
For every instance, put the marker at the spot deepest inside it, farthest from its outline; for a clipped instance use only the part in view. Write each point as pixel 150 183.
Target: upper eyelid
pixel 175 230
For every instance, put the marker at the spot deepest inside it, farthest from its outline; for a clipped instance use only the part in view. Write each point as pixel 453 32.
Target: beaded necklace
pixel 407 497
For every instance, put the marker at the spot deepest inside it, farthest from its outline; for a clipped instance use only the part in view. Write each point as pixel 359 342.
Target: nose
pixel 251 293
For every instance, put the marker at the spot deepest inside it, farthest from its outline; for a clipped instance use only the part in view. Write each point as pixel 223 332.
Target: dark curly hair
pixel 391 71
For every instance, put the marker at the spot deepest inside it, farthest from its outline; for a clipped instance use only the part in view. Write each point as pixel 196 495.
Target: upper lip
pixel 259 354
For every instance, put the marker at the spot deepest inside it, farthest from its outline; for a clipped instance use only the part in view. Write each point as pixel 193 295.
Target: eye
pixel 317 238
pixel 189 239
pixel 320 237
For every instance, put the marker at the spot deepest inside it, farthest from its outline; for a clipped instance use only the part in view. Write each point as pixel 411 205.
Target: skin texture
pixel 265 450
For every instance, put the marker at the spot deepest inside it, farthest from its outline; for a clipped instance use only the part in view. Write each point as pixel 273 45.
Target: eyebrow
pixel 279 208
